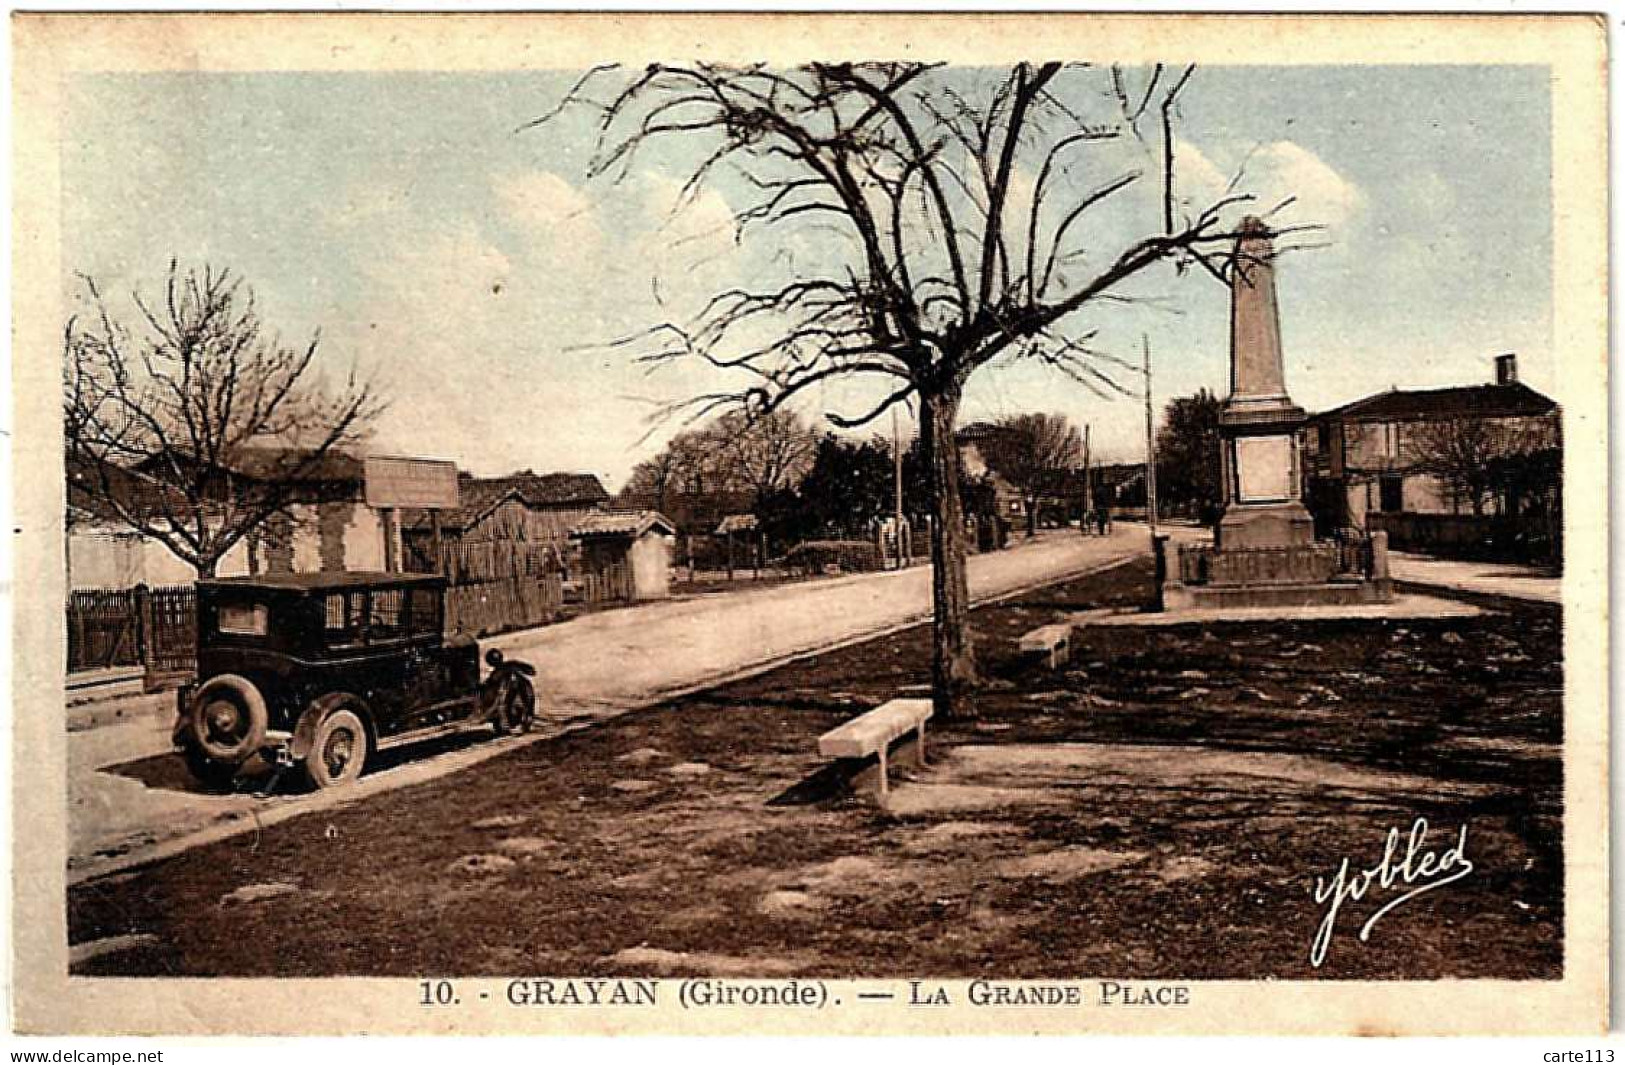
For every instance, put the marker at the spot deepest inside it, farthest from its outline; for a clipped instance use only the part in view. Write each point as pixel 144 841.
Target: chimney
pixel 1506 369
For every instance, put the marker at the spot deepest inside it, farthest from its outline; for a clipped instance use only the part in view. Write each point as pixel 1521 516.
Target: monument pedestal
pixel 1266 525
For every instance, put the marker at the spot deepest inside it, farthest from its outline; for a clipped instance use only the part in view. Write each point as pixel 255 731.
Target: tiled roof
pixel 977 431
pixel 734 523
pixel 554 489
pixel 273 462
pixel 692 512
pixel 136 492
pixel 1462 401
pixel 479 496
pixel 630 523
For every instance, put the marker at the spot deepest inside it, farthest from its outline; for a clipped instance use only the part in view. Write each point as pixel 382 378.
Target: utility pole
pixel 1150 442
pixel 897 488
pixel 1088 486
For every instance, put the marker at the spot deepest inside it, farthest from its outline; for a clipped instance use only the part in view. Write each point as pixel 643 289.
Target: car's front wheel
pixel 338 751
pixel 518 711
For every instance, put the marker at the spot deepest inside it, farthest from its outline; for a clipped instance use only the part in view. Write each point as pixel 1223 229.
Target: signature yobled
pixel 1418 870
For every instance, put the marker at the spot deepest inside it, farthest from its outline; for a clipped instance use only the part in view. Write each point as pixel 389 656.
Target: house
pixel 973 447
pixel 536 510
pixel 626 555
pixel 1416 451
pixel 103 552
pixel 326 525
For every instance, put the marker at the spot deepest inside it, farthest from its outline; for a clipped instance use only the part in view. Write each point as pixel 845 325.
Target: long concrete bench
pixel 873 734
pixel 1052 640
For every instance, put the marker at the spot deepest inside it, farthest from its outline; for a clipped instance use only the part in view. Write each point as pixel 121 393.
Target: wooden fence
pixel 169 626
pixel 104 630
pixel 482 561
pixel 608 584
pixel 151 627
pixel 485 608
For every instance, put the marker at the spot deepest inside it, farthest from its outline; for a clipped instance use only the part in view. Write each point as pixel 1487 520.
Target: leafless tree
pixel 195 424
pixel 1034 452
pixel 1468 455
pixel 733 453
pixel 657 479
pixel 764 453
pixel 960 200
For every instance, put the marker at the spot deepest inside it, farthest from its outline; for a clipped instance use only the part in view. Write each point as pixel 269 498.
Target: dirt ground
pixel 1159 809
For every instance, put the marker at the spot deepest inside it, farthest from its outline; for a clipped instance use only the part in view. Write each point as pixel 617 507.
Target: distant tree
pixel 763 454
pixel 848 488
pixel 729 454
pixel 1188 463
pixel 659 479
pixel 1034 452
pixel 185 392
pixel 1474 457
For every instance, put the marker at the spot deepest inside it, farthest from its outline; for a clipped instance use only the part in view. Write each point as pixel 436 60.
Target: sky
pixel 475 273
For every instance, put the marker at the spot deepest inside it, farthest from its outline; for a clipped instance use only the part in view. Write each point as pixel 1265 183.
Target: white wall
pixel 364 540
pixel 105 558
pixel 651 566
pixel 307 540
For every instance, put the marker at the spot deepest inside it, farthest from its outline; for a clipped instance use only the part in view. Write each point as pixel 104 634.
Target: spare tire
pixel 228 719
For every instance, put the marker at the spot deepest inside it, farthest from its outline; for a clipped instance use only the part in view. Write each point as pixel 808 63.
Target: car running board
pixel 433 732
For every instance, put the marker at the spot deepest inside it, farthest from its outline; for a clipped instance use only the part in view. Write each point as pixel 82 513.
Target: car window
pixel 388 619
pixel 335 613
pixel 425 606
pixel 346 615
pixel 243 619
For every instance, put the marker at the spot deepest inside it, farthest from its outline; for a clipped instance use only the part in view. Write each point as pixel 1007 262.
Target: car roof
pixel 325 582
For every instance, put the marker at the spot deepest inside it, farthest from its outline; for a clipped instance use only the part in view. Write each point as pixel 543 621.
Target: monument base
pixel 1250 525
pixel 1274 574
pixel 1284 596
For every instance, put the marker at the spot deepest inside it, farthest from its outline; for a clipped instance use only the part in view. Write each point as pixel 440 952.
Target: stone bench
pixel 1052 640
pixel 874 732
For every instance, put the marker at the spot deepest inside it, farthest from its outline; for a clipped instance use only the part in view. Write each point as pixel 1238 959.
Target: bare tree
pixel 658 479
pixel 203 407
pixel 1469 454
pixel 1036 453
pixel 958 201
pixel 733 453
pixel 766 453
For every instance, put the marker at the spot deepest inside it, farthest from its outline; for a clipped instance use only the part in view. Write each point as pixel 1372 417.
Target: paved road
pixel 1485 578
pixel 129 802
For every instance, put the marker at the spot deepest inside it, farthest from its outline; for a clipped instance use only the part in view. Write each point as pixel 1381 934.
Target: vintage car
pixel 324 669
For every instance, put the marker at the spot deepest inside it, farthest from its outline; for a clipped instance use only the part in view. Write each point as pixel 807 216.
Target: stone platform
pixel 1401 607
pixel 1272 596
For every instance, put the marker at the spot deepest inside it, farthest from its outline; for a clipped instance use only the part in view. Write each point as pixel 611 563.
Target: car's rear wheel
pixel 338 751
pixel 228 720
pixel 518 707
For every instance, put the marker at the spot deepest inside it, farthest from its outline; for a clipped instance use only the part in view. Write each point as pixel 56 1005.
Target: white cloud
pixel 548 207
pixel 1285 169
pixel 685 246
pixel 1271 174
pixel 1197 179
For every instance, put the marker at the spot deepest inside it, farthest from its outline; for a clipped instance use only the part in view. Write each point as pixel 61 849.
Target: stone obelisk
pixel 1259 423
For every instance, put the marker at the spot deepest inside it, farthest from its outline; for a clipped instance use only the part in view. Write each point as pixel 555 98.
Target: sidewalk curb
pixel 1491 600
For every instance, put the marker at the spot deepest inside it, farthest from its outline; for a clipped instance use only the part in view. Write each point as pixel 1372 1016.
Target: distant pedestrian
pixel 1103 520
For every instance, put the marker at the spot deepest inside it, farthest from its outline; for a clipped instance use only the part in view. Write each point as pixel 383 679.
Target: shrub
pixel 852 556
